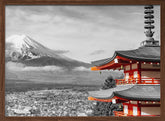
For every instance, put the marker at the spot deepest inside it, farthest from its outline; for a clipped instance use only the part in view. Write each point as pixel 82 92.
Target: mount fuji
pixel 24 49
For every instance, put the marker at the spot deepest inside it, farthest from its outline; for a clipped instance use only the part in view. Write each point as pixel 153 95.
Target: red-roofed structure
pixel 139 91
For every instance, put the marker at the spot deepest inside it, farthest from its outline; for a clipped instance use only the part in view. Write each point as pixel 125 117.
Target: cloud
pixel 81 68
pixel 40 18
pixel 13 66
pixel 92 27
pixel 137 13
pixel 97 52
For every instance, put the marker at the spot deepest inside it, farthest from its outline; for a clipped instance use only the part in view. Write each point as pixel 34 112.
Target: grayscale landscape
pixel 40 82
pixel 49 50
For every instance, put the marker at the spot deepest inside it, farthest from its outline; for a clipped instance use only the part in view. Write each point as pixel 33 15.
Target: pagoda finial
pixel 149 11
pixel 149 26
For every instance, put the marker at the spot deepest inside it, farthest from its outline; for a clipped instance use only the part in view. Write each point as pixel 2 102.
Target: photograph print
pixel 64 60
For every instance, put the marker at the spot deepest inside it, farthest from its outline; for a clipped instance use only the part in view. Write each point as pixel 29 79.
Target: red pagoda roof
pixel 145 53
pixel 130 92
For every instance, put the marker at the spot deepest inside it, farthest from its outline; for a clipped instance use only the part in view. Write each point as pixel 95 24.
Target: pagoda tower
pixel 149 26
pixel 139 90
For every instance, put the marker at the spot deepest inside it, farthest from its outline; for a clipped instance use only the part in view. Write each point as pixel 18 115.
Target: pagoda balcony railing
pixel 138 81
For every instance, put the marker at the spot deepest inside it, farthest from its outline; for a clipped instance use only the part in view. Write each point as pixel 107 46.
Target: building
pixel 139 91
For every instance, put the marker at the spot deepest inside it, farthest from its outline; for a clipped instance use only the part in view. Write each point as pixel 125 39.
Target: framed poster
pixel 82 60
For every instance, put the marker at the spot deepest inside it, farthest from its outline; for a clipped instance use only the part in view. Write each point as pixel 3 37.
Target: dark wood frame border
pixel 3 3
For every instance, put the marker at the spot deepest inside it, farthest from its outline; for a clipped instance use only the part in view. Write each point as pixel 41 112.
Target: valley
pixel 52 102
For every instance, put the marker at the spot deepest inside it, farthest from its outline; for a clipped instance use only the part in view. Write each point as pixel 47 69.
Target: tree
pixel 107 108
pixel 109 83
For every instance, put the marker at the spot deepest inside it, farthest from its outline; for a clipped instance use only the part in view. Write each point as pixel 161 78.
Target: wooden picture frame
pixel 3 3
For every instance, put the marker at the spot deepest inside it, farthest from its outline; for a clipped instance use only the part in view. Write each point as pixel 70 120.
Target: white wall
pixel 135 112
pixel 150 110
pixel 150 74
pixel 126 109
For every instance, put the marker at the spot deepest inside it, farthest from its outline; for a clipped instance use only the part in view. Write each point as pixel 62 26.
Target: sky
pixel 85 33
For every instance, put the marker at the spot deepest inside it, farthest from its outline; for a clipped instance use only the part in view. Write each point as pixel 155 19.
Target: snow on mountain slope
pixel 22 48
pixel 17 41
pixel 23 45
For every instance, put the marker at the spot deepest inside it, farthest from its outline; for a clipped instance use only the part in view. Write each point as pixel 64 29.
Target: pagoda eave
pixel 117 62
pixel 142 54
pixel 128 92
pixel 116 99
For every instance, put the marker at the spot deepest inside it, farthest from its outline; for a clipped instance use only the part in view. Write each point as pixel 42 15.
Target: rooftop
pixel 130 92
pixel 144 53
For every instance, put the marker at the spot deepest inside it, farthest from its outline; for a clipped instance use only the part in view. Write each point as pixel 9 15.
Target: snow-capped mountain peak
pixel 23 45
pixel 24 49
pixel 23 40
pixel 17 41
